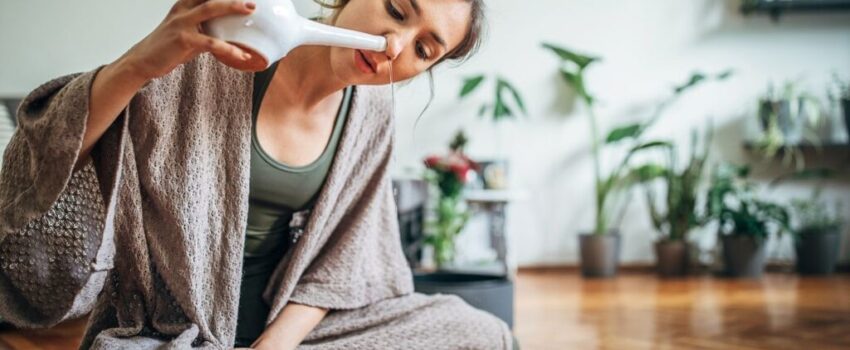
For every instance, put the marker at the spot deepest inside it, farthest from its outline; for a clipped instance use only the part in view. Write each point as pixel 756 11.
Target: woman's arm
pixel 290 327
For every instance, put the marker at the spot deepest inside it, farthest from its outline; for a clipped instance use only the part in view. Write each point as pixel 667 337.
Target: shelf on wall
pixel 775 8
pixel 830 155
pixel 825 148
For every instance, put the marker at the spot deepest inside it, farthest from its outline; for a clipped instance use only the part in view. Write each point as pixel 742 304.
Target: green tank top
pixel 276 192
pixel 277 189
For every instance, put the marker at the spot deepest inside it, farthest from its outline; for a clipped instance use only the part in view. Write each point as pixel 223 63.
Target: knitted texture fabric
pixel 148 235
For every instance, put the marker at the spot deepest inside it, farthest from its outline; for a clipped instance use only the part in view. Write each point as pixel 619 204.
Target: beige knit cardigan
pixel 148 236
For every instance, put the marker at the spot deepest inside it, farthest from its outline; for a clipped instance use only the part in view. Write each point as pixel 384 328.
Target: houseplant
pixel 504 102
pixel 744 221
pixel 788 117
pixel 816 226
pixel 843 96
pixel 680 215
pixel 817 235
pixel 599 249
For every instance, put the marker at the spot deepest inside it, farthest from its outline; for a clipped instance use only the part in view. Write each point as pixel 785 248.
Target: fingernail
pixel 250 5
pixel 246 56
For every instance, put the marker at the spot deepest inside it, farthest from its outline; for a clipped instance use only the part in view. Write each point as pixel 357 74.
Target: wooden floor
pixel 560 310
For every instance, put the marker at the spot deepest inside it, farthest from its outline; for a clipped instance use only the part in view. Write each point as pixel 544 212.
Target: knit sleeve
pixel 56 222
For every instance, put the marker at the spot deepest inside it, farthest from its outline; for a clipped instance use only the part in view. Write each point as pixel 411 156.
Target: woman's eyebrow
pixel 415 5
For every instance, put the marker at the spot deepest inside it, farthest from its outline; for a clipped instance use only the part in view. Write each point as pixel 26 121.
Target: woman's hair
pixel 468 46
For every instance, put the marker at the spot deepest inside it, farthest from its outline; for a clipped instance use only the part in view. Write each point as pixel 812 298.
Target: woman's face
pixel 419 33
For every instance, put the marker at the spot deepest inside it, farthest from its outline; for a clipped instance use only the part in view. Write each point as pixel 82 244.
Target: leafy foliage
pixel 731 201
pixel 572 69
pixel 681 186
pixel 504 92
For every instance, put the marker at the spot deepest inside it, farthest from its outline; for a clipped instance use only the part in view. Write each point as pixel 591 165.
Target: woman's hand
pixel 179 38
pixel 175 41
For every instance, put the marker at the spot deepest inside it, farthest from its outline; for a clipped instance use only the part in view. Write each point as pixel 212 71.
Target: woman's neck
pixel 305 78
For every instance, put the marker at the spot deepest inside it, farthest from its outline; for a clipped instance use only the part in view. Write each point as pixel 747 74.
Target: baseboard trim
pixel 650 268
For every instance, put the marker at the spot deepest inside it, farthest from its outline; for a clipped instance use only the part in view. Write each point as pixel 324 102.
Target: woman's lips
pixel 363 63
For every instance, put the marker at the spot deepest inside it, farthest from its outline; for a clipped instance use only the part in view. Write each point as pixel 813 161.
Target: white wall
pixel 647 47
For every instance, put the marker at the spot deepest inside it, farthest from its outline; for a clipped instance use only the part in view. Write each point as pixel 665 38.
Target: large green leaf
pixel 623 132
pixel 699 77
pixel 651 144
pixel 576 81
pixel 505 85
pixel 695 79
pixel 470 84
pixel 568 55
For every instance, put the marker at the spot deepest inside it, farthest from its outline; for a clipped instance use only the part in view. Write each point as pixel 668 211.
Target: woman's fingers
pixel 218 47
pixel 217 8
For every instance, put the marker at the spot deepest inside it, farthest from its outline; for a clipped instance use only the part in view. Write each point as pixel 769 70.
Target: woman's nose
pixel 394 46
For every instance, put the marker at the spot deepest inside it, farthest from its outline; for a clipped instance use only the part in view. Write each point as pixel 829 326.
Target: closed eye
pixel 421 52
pixel 393 11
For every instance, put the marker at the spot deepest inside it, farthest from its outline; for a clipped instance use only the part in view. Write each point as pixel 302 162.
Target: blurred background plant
pixel 448 174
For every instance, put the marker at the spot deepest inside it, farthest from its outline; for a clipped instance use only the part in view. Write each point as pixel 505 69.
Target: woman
pixel 188 204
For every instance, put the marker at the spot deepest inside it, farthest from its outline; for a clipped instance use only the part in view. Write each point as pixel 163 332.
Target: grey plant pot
pixel 817 253
pixel 672 258
pixel 845 106
pixel 782 108
pixel 743 256
pixel 494 294
pixel 600 254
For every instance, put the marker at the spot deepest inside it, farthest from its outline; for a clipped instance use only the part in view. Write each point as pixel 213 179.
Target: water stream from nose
pixel 392 98
pixel 392 88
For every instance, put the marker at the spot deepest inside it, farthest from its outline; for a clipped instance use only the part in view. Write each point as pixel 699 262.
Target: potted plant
pixel 505 103
pixel 843 96
pixel 680 215
pixel 599 249
pixel 817 235
pixel 744 221
pixel 787 117
pixel 816 229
